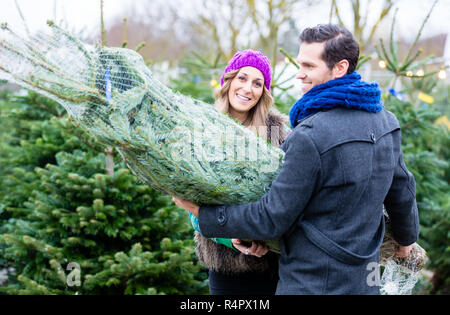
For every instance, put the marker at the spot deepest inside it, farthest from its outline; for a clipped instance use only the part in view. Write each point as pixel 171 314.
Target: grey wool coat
pixel 326 204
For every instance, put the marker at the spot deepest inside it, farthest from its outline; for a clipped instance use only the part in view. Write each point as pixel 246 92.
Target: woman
pixel 245 95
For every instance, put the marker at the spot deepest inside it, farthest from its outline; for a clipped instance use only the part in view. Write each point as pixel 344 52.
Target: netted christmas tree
pixel 178 145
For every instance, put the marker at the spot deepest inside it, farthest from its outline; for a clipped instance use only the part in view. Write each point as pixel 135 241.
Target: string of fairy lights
pixel 442 74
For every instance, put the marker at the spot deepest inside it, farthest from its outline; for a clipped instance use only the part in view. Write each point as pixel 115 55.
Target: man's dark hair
pixel 339 44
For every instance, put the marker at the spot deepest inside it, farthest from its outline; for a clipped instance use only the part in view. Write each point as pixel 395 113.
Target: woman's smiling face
pixel 246 89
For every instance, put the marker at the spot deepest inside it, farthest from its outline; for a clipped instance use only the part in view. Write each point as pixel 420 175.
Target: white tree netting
pixel 397 279
pixel 400 275
pixel 174 143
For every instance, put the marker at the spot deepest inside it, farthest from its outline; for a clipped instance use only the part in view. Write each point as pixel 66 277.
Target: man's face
pixel 313 70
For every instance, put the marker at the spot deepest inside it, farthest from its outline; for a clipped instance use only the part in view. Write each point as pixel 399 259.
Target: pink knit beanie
pixel 250 58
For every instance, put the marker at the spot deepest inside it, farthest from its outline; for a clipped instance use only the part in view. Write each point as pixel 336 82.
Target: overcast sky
pixel 84 14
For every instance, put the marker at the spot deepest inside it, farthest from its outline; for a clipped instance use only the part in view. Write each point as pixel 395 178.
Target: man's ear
pixel 340 68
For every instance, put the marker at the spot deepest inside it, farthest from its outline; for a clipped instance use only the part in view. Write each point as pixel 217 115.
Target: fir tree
pixel 61 208
pixel 425 147
pixel 27 140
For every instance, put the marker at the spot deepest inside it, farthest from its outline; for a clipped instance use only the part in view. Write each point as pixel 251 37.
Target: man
pixel 343 161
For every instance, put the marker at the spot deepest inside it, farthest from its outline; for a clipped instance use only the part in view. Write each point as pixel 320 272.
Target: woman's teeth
pixel 242 97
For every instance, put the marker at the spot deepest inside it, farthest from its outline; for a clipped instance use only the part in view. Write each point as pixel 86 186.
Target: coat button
pixel 221 219
pixel 372 136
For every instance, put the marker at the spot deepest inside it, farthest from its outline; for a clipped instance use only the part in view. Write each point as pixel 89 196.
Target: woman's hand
pixel 186 205
pixel 403 251
pixel 257 249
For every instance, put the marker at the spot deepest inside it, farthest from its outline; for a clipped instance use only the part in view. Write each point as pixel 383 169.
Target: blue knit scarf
pixel 348 91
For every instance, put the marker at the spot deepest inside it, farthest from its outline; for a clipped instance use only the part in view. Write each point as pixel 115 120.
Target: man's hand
pixel 257 249
pixel 187 205
pixel 403 251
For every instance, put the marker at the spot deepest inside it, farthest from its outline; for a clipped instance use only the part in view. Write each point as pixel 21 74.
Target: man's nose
pixel 300 75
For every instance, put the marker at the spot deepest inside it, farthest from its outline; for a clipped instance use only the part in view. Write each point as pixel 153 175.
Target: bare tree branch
pixel 387 6
pixel 336 12
pixel 360 19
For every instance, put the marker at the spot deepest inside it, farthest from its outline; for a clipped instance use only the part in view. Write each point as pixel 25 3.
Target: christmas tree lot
pixel 79 217
pixel 69 228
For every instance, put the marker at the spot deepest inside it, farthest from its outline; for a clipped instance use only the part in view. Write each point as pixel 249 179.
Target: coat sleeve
pixel 401 205
pixel 277 210
pixel 224 241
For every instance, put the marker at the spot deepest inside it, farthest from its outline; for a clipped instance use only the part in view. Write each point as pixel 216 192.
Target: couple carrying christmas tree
pixel 343 161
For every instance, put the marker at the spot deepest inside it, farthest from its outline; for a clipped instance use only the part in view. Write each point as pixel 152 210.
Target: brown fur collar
pixel 276 127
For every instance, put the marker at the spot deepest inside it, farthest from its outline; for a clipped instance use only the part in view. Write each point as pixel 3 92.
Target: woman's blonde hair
pixel 256 117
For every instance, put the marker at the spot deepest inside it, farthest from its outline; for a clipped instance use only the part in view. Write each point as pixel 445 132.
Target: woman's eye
pixel 242 78
pixel 257 84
